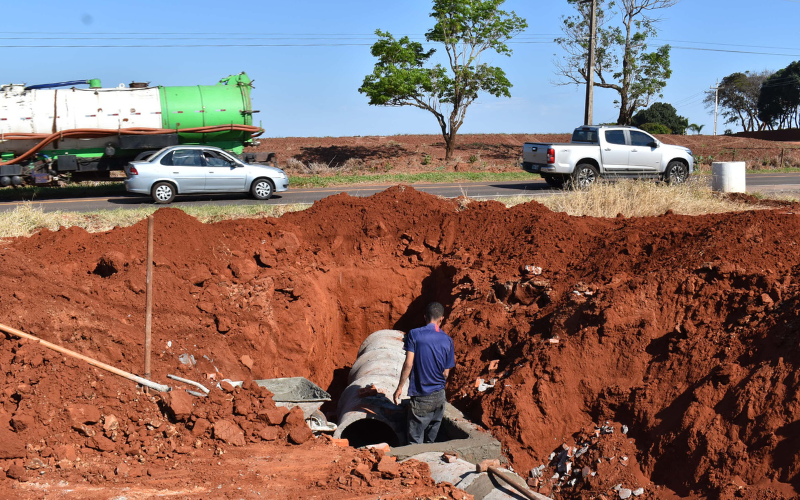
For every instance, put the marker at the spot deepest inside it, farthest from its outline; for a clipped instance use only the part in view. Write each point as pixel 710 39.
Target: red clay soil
pixel 682 329
pixel 485 152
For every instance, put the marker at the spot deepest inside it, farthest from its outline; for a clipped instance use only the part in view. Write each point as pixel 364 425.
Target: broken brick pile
pixel 60 410
pixel 371 466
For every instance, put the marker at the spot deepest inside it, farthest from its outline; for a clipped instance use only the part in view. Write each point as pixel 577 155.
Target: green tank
pixel 227 103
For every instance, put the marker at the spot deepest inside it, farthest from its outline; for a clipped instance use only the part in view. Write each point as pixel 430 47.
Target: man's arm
pixel 404 374
pixel 446 373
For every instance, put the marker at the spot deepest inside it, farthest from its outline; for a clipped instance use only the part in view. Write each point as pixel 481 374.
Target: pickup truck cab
pixel 607 151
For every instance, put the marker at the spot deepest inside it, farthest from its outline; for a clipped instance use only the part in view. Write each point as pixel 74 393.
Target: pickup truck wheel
pixel 584 176
pixel 677 172
pixel 556 181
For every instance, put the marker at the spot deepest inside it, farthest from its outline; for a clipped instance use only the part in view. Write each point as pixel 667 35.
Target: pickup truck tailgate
pixel 535 153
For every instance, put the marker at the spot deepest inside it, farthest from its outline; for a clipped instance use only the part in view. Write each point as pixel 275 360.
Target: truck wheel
pixel 262 189
pixel 163 192
pixel 584 176
pixel 557 181
pixel 677 172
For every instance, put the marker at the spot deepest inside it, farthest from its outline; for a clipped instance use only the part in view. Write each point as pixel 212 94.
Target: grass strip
pixel 633 198
pixel 28 219
pixel 432 177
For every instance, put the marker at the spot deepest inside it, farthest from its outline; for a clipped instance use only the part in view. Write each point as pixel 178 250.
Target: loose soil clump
pixel 663 349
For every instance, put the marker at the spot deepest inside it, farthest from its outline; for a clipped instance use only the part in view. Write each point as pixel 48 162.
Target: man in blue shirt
pixel 429 357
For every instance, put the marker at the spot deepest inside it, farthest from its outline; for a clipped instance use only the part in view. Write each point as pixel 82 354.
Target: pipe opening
pixel 369 431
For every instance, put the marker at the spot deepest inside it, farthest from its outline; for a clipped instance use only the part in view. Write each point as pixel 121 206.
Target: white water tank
pixel 728 177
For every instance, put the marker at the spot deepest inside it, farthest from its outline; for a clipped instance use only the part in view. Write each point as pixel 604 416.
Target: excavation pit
pixel 684 329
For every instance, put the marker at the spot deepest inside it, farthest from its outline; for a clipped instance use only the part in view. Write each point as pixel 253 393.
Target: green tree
pixel 466 29
pixel 779 99
pixel 738 98
pixel 693 127
pixel 664 114
pixel 622 60
pixel 655 128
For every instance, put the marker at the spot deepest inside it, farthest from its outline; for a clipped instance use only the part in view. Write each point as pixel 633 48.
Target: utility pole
pixel 715 88
pixel 589 107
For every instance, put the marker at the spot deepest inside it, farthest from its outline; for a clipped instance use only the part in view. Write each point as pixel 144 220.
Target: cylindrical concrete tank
pixel 728 177
pixel 371 417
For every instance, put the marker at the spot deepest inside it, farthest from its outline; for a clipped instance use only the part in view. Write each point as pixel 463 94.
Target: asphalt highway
pixel 755 182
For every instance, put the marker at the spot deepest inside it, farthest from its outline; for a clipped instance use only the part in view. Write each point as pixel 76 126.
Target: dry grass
pixel 28 219
pixel 605 199
pixel 638 199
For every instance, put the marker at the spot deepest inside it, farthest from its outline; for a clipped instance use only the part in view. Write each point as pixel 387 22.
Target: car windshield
pixel 585 135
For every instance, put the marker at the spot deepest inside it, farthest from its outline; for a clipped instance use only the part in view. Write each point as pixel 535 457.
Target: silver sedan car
pixel 201 169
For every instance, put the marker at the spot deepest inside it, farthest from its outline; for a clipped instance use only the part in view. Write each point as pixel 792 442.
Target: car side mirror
pixel 653 144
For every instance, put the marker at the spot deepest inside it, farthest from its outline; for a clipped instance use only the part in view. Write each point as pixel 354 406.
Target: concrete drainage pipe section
pixel 369 416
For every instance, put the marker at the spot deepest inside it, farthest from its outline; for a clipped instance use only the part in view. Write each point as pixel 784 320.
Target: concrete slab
pixel 472 443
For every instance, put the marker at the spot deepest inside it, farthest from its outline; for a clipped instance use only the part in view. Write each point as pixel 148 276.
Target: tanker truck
pixel 79 130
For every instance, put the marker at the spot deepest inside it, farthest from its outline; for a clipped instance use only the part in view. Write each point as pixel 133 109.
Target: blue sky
pixel 312 91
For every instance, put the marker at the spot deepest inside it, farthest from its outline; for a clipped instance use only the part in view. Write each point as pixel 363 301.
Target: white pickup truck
pixel 607 151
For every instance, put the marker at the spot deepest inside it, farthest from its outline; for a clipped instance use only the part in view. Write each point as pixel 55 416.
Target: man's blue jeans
pixel 425 416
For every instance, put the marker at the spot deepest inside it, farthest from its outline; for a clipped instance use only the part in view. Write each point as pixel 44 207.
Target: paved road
pixel 755 182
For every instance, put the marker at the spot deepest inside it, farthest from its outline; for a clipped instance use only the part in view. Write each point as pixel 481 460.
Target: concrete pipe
pixel 369 417
pixel 728 177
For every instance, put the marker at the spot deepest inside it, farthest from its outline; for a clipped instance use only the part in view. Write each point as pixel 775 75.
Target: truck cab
pixel 607 151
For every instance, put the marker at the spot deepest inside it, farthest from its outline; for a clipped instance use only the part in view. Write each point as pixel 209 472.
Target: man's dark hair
pixel 434 311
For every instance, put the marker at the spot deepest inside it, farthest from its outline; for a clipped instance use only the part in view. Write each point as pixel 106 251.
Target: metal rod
pixel 190 382
pixel 93 362
pixel 148 318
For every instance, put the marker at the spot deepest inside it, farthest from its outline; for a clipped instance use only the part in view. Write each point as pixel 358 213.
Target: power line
pixel 737 51
pixel 729 44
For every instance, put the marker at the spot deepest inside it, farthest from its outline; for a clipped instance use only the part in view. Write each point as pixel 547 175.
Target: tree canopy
pixel 622 60
pixel 779 100
pixel 403 75
pixel 738 98
pixel 664 114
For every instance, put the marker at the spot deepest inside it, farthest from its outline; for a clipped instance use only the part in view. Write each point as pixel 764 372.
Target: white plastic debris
pixel 482 385
pixel 624 429
pixel 535 270
pixel 638 492
pixel 169 344
pixel 187 359
pixel 625 493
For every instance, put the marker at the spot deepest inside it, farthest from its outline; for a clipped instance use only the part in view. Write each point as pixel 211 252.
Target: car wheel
pixel 163 192
pixel 584 176
pixel 677 173
pixel 557 181
pixel 262 189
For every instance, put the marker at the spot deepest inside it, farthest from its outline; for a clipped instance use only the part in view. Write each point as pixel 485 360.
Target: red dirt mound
pixel 682 329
